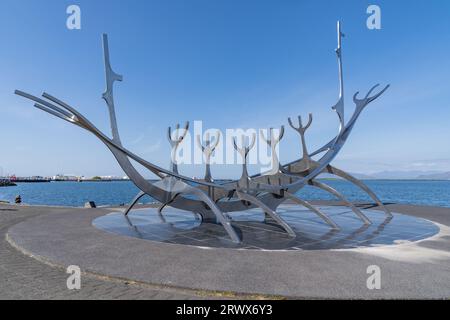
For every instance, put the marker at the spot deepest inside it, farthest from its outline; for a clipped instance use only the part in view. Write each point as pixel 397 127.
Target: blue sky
pixel 230 64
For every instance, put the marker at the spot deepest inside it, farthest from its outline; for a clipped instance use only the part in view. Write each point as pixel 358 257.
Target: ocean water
pixel 432 193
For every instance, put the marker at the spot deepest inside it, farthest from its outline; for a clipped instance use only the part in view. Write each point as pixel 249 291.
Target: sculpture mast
pixel 110 77
pixel 339 106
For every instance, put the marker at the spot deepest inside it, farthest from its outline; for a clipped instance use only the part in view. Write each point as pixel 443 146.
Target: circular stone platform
pixel 409 269
pixel 312 233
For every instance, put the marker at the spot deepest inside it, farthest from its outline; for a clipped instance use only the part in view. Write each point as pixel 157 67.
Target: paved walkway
pixel 22 277
pixel 64 235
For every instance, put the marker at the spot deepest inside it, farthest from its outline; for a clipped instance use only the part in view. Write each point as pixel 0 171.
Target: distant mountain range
pixel 435 176
pixel 400 175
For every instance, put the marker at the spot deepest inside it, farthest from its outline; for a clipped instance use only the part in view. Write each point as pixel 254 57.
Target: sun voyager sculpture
pixel 215 201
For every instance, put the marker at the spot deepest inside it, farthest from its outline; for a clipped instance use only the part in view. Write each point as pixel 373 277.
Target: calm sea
pixel 433 193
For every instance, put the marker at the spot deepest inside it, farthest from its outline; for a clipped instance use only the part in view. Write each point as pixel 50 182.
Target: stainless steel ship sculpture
pixel 215 201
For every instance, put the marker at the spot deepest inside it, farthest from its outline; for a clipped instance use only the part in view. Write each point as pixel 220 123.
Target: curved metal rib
pixel 312 208
pixel 165 204
pixel 160 209
pixel 246 197
pixel 219 215
pixel 360 184
pixel 329 189
pixel 135 200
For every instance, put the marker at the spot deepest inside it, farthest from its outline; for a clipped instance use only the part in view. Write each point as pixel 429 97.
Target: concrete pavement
pixel 65 236
pixel 24 277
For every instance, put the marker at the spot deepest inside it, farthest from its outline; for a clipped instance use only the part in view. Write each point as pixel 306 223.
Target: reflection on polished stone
pixel 182 227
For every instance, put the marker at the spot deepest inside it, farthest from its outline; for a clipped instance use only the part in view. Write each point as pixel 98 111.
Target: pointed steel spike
pixel 169 134
pixel 70 109
pixel 310 119
pixel 290 123
pixel 199 143
pixel 52 112
pixel 282 133
pixel 261 132
pixel 379 93
pixel 216 142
